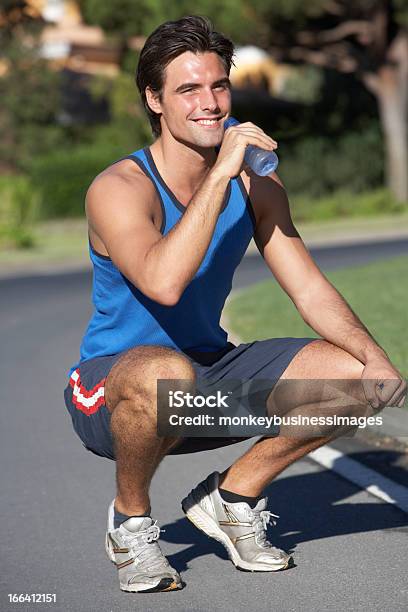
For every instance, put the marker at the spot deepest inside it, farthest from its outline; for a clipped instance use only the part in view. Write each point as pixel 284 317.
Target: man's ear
pixel 152 99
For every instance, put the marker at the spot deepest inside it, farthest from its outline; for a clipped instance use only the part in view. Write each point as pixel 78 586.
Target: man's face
pixel 196 99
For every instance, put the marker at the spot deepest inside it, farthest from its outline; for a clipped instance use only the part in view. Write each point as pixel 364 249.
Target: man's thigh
pixel 257 365
pixel 319 372
pixel 267 359
pixel 297 370
pixel 89 388
pixel 321 359
pixel 85 399
pixel 254 368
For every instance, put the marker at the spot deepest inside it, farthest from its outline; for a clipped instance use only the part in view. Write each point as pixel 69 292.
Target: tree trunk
pixel 390 86
pixel 393 113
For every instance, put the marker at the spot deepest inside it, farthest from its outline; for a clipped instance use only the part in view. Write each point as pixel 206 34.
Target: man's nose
pixel 208 101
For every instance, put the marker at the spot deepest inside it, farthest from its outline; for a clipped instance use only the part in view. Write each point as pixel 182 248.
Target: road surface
pixel 350 549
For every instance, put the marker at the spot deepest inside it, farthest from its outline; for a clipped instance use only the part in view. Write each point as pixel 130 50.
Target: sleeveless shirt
pixel 124 317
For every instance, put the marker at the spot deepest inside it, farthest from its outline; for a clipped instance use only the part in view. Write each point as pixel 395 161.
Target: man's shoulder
pixel 124 172
pixel 120 197
pixel 262 189
pixel 124 180
pixel 260 184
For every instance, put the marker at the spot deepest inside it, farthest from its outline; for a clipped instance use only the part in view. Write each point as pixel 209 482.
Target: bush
pixel 62 179
pixel 18 211
pixel 30 96
pixel 319 166
pixel 345 204
pixel 63 176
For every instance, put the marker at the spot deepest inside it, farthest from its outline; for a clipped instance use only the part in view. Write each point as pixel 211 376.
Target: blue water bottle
pixel 261 161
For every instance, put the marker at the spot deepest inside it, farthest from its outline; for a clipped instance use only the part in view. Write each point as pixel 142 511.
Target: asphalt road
pixel 350 549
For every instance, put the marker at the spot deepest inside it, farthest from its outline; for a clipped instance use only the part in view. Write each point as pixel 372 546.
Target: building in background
pixel 255 69
pixel 69 43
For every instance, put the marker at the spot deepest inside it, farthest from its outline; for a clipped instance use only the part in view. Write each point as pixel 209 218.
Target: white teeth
pixel 207 121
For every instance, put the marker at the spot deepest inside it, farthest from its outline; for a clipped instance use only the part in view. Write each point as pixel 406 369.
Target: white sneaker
pixel 134 549
pixel 240 528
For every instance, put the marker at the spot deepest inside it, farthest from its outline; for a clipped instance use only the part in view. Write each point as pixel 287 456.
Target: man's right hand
pixel 232 151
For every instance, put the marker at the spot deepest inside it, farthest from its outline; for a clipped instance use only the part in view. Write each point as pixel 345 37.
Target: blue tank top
pixel 124 317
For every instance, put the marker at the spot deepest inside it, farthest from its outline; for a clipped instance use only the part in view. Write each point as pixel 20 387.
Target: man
pixel 168 225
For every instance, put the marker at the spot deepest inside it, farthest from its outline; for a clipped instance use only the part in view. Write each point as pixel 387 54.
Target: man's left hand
pixel 383 385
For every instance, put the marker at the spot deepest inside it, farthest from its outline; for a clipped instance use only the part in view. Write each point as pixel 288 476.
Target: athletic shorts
pixel 84 394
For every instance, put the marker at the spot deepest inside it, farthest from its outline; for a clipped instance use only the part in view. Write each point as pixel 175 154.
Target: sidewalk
pixel 349 231
pixel 64 247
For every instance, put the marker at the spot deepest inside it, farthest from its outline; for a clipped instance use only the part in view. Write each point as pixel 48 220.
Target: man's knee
pixel 138 370
pixel 338 408
pixel 346 411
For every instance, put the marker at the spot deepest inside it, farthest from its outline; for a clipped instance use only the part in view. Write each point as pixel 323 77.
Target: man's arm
pixel 120 213
pixel 319 303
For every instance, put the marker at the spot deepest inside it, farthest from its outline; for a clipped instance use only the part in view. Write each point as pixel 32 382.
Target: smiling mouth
pixel 208 122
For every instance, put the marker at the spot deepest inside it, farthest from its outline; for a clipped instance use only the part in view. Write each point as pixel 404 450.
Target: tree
pixel 123 19
pixel 29 91
pixel 140 17
pixel 367 38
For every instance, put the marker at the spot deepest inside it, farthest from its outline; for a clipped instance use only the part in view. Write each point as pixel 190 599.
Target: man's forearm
pixel 327 312
pixel 173 261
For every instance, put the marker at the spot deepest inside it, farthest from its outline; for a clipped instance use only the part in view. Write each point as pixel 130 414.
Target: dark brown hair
pixel 171 39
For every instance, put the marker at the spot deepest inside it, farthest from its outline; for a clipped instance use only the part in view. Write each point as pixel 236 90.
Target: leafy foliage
pixel 29 90
pixel 18 211
pixel 141 17
pixel 30 96
pixel 317 166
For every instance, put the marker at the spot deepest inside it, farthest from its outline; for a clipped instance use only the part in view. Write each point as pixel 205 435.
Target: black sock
pixel 119 518
pixel 234 498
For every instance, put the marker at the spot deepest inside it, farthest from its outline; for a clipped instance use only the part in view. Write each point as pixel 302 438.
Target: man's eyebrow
pixel 224 81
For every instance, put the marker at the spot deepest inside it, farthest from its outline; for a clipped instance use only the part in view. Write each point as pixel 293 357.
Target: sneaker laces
pixel 144 546
pixel 259 521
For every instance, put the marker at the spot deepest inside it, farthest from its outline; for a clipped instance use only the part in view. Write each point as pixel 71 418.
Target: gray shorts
pixel 84 394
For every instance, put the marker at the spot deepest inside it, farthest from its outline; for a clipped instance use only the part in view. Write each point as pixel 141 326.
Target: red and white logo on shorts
pixel 88 401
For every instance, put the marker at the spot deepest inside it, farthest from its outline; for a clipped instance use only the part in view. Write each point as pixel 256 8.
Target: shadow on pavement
pixel 389 463
pixel 310 507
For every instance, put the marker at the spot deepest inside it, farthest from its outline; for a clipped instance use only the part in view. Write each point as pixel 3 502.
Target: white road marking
pixel 361 475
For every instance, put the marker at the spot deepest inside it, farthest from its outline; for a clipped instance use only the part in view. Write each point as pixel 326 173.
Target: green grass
pixel 378 294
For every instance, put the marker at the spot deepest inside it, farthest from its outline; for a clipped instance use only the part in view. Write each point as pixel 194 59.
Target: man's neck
pixel 181 165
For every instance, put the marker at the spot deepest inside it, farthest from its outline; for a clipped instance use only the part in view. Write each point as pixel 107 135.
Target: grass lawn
pixel 377 292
